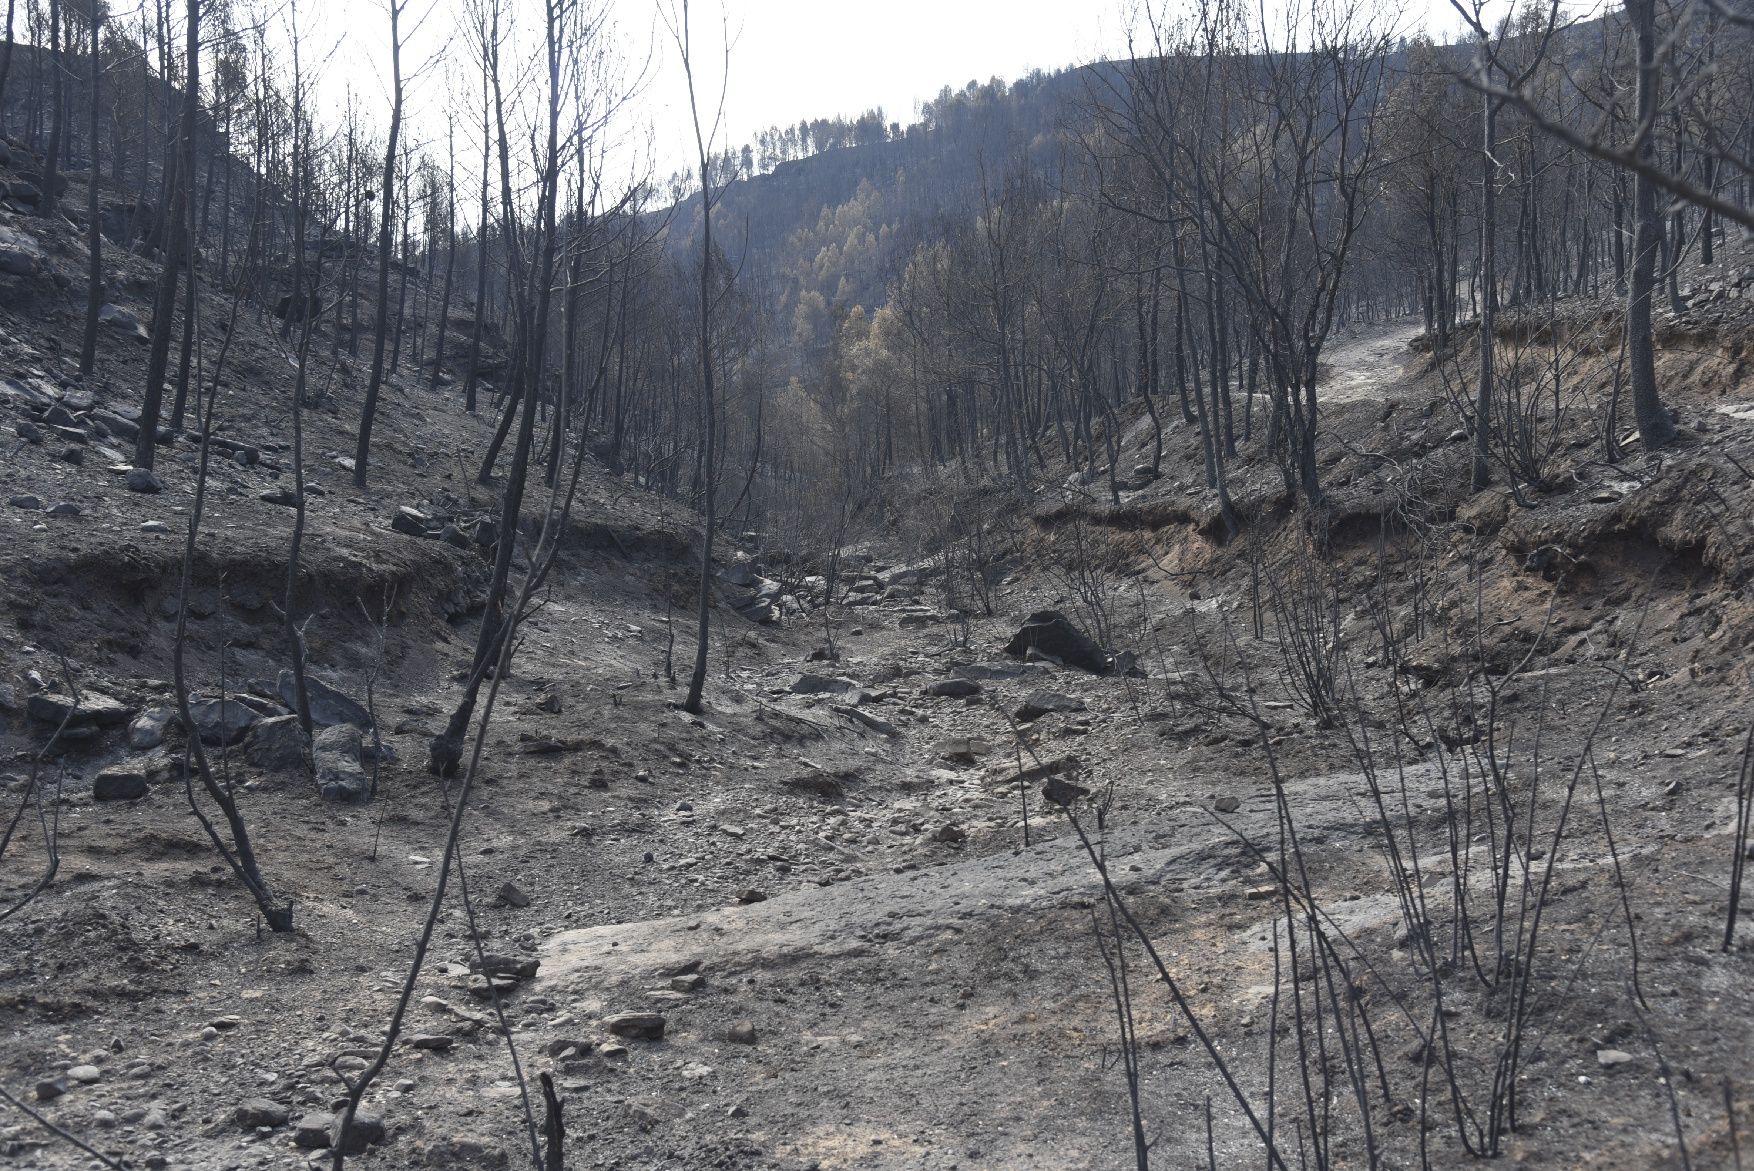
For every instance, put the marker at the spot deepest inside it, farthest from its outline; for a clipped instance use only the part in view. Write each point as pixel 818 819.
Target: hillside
pixel 1229 651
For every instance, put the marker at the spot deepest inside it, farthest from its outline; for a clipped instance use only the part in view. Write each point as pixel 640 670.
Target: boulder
pixel 260 1112
pixel 954 688
pixel 1051 633
pixel 411 522
pixel 810 683
pixel 120 782
pixel 739 573
pixel 150 727
pixel 143 480
pixel 1040 703
pixel 311 1132
pixel 335 755
pixel 329 707
pixel 221 722
pixel 276 743
pixel 645 1026
pixel 366 1130
pixel 20 254
pixel 92 710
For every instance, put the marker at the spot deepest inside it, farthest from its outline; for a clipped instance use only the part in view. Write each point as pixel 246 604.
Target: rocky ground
pixel 825 924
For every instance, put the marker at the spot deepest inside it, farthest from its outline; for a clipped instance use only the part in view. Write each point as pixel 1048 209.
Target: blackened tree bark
pixel 386 227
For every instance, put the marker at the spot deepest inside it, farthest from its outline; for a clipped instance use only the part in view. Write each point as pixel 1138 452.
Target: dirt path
pixel 1365 361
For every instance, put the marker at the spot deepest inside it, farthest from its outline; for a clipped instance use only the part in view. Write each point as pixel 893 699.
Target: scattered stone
pixel 51 1088
pixel 26 501
pixel 517 967
pixel 366 1130
pixel 86 1074
pixel 329 707
pixel 119 782
pixel 1051 633
pixel 962 749
pixel 810 683
pixel 746 897
pixel 221 722
pixel 640 1026
pixel 261 1112
pixel 118 318
pixel 692 982
pixel 311 1132
pixel 1041 703
pixel 880 726
pixel 1609 1058
pixel 431 1042
pixel 285 497
pixel 954 688
pixel 20 254
pixel 741 1033
pixel 511 896
pixel 950 834
pixel 93 709
pixel 149 728
pixel 65 508
pixel 335 757
pixel 277 743
pixel 1063 793
pixel 154 526
pixel 144 481
pixel 1227 805
pixel 411 522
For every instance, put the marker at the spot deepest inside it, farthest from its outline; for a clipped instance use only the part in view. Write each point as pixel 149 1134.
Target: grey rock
pixel 993 672
pixel 335 756
pixel 143 480
pixel 260 1112
pixel 1051 633
pixel 149 728
pixel 121 320
pixel 329 707
pixel 93 709
pixel 741 1033
pixel 221 722
pixel 311 1132
pixel 25 500
pixel 644 1026
pixel 810 683
pixel 276 743
pixel 119 782
pixel 961 749
pixel 20 254
pixel 954 688
pixel 367 1130
pixel 412 522
pixel 431 1042
pixel 51 1088
pixel 65 508
pixel 1041 703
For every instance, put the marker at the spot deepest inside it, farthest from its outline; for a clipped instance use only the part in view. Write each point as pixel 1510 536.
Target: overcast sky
pixel 789 59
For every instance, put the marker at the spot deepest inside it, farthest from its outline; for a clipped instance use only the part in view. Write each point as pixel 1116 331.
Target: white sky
pixel 789 59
